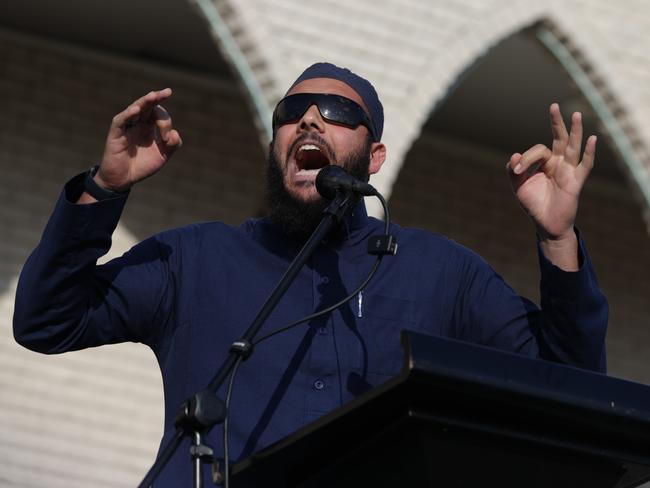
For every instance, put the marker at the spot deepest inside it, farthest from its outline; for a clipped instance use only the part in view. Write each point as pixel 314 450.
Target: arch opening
pixel 453 182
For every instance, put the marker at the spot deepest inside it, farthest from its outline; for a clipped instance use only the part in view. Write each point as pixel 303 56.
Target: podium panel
pixel 461 415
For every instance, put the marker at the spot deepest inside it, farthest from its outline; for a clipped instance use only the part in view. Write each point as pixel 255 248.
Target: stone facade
pixel 93 418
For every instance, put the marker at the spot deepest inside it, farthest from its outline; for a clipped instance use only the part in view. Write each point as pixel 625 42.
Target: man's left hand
pixel 547 183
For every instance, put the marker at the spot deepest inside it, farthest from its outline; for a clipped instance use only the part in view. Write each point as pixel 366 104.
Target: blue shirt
pixel 189 293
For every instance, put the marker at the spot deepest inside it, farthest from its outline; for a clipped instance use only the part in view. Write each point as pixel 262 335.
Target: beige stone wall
pixel 78 419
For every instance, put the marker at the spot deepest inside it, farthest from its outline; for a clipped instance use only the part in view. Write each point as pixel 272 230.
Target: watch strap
pixel 96 191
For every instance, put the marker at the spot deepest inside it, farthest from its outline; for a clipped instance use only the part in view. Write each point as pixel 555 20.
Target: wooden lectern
pixel 461 415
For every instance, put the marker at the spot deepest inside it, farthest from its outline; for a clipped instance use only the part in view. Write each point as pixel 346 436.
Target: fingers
pixel 520 163
pixel 120 120
pixel 514 161
pixel 149 102
pixel 587 163
pixel 165 133
pixel 174 141
pixel 572 153
pixel 566 144
pixel 512 164
pixel 140 110
pixel 163 121
pixel 560 134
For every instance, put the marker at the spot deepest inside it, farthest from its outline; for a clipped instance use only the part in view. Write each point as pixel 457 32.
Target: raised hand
pixel 139 142
pixel 547 183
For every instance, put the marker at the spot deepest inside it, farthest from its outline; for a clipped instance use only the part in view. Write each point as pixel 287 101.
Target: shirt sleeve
pixel 575 313
pixel 65 301
pixel 570 326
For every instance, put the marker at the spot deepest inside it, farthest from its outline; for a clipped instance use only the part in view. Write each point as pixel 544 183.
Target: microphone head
pixel 333 179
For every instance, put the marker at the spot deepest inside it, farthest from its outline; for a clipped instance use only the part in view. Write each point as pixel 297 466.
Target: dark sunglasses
pixel 333 108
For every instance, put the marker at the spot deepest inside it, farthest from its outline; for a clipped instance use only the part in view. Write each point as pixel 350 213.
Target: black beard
pixel 297 218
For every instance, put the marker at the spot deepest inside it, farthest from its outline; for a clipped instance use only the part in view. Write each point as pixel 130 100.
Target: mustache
pixel 315 139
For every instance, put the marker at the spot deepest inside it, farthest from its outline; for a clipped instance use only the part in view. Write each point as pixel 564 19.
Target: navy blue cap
pixel 360 85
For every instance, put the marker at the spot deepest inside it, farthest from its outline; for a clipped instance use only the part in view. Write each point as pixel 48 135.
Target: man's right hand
pixel 139 142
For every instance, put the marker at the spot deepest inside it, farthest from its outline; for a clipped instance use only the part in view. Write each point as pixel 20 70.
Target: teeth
pixel 308 147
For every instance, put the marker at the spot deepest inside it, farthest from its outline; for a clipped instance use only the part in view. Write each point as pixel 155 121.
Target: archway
pixel 67 418
pixel 453 182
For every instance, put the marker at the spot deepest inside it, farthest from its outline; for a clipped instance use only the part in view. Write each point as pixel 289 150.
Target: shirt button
pixel 325 280
pixel 319 384
pixel 322 330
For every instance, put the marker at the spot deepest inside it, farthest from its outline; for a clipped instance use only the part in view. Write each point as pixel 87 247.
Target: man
pixel 190 292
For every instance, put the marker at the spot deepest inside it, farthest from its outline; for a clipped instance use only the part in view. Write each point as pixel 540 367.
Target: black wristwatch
pixel 97 192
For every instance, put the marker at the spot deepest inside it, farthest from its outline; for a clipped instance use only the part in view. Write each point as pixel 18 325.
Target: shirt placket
pixel 323 392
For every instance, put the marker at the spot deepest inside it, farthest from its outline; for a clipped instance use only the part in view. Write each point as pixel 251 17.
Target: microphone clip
pixel 382 245
pixel 341 203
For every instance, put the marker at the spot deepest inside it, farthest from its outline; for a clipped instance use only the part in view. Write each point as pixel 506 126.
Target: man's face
pixel 304 147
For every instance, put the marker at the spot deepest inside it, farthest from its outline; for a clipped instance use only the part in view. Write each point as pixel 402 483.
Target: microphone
pixel 333 179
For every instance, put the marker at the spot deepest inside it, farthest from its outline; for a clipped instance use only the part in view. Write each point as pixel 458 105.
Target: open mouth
pixel 310 157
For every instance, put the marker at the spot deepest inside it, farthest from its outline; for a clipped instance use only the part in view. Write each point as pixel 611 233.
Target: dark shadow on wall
pixel 453 182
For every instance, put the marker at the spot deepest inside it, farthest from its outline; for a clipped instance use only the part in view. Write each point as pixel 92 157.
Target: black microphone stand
pixel 198 414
